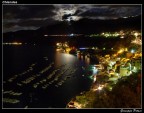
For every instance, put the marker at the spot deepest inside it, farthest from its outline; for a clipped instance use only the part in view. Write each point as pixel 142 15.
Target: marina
pixel 50 77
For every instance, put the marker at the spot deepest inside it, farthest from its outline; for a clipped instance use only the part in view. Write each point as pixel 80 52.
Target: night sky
pixel 32 17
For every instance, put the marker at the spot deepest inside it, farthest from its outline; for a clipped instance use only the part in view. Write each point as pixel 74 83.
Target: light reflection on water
pixel 17 59
pixel 63 58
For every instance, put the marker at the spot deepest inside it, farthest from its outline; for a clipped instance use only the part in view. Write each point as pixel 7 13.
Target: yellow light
pixel 68 50
pixel 16 43
pixel 106 56
pixel 136 34
pixel 121 50
pixel 100 88
pixel 57 44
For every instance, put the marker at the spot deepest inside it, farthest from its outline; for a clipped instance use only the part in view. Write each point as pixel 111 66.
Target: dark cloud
pixel 27 15
pixel 27 11
pixel 112 11
pixel 35 16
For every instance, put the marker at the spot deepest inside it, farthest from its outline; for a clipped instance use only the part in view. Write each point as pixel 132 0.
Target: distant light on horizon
pixel 83 48
pixel 12 43
pixel 125 17
pixel 45 35
pixel 72 34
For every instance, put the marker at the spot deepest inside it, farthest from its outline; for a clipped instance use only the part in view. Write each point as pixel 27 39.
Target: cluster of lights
pixel 137 41
pixel 116 34
pixel 64 35
pixel 130 16
pixel 107 34
pixel 65 44
pixel 13 43
pixel 100 87
pixel 59 44
pixel 63 47
pixel 122 50
pixel 110 34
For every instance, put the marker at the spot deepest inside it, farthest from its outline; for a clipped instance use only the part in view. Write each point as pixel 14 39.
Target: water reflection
pixel 63 58
pixel 52 77
pixel 84 58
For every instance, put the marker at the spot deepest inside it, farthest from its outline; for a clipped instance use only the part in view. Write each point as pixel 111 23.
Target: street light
pixel 100 88
pixel 136 34
pixel 132 51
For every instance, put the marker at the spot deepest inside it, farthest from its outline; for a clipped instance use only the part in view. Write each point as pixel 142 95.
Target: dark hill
pixel 83 26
